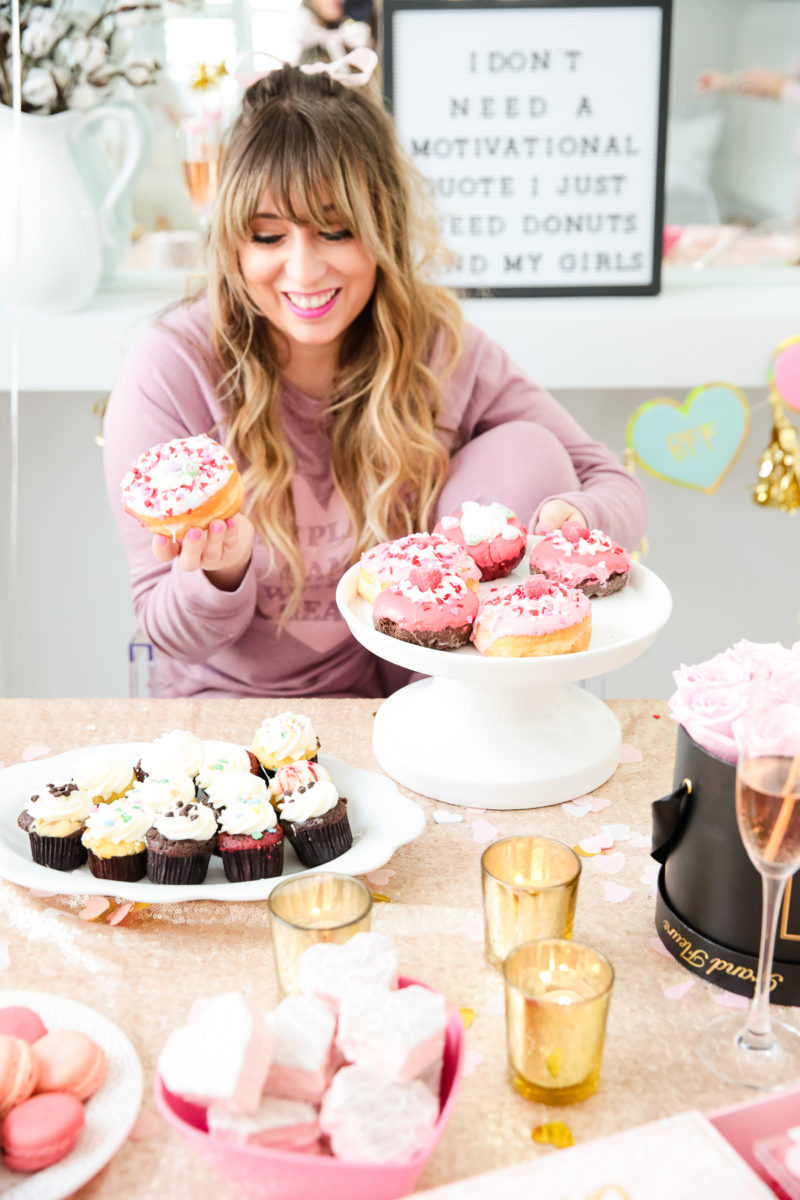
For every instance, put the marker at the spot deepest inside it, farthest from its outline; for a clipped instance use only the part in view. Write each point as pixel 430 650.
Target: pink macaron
pixel 18 1072
pixel 41 1131
pixel 17 1021
pixel 69 1061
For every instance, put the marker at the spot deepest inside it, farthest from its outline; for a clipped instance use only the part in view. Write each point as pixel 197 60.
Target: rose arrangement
pixel 72 58
pixel 712 697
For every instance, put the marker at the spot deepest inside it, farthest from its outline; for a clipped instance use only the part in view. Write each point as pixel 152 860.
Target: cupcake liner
pixel 180 869
pixel 60 853
pixel 319 840
pixel 125 868
pixel 261 862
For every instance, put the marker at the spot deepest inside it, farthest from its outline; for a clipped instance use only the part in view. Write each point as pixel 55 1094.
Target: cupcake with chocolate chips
pixel 54 820
pixel 180 843
pixel 314 819
pixel 250 840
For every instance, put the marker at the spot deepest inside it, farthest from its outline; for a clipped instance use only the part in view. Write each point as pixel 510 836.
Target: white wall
pixel 733 568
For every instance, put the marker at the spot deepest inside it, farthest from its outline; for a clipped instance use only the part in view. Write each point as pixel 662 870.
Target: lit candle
pixel 306 909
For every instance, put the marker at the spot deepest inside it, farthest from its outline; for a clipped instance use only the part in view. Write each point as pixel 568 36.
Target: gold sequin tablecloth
pixel 144 972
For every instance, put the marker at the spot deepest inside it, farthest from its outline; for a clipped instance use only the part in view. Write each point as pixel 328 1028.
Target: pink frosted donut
pixel 181 485
pixel 427 608
pixel 581 558
pixel 391 561
pixel 490 534
pixel 532 618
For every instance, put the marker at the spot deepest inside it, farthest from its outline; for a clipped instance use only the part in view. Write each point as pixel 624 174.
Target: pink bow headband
pixel 362 58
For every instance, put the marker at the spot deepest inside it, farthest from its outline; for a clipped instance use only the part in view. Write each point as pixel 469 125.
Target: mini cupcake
pixel 285 739
pixel 161 794
pixel 231 786
pixel 176 753
pixel 106 776
pixel 314 819
pixel 218 760
pixel 54 821
pixel 180 843
pixel 114 839
pixel 288 779
pixel 250 840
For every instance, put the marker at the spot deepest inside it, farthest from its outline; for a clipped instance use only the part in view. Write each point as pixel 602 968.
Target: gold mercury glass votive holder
pixel 306 909
pixel 557 996
pixel 530 886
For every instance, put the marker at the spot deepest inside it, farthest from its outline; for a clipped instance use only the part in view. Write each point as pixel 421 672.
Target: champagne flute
pixel 763 1053
pixel 201 136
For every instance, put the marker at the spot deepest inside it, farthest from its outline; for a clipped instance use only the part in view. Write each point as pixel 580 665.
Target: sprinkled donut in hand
pixel 181 485
pixel 581 558
pixel 490 534
pixel 427 608
pixel 532 618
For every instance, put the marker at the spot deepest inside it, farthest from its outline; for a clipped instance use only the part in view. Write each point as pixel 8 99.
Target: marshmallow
pixel 367 962
pixel 397 1034
pixel 277 1123
pixel 221 1057
pixel 305 1055
pixel 370 1119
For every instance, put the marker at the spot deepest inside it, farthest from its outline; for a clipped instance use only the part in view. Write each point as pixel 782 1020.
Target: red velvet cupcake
pixel 250 840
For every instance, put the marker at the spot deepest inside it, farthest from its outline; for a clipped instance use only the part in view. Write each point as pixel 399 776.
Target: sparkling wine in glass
pixel 201 137
pixel 760 1052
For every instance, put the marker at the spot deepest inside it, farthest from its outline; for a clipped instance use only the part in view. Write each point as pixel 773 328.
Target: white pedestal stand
pixel 507 733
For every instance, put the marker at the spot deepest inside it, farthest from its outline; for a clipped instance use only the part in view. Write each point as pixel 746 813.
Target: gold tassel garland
pixel 778 483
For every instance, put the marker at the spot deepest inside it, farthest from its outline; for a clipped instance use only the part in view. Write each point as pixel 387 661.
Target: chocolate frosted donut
pixel 581 558
pixel 428 609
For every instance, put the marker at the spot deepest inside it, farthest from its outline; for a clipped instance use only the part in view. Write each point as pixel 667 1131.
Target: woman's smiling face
pixel 309 283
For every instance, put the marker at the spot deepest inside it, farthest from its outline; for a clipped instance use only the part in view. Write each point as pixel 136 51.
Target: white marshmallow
pixel 279 1123
pixel 367 961
pixel 370 1119
pixel 305 1054
pixel 397 1034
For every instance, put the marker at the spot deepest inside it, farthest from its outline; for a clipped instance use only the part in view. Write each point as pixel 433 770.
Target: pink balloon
pixel 786 375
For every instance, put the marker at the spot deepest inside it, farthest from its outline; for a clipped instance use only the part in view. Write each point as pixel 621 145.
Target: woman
pixel 356 402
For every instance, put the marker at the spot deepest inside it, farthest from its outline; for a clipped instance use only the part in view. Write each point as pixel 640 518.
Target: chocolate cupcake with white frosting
pixel 54 819
pixel 180 843
pixel 314 819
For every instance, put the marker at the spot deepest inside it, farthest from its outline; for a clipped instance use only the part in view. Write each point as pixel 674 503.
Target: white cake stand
pixel 507 732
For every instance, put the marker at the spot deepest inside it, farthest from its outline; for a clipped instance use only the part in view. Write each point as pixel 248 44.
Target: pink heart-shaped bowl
pixel 282 1175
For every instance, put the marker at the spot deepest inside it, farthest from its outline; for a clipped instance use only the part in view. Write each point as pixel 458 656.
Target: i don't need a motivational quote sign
pixel 541 131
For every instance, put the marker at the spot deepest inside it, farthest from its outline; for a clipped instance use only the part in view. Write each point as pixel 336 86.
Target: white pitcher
pixel 51 232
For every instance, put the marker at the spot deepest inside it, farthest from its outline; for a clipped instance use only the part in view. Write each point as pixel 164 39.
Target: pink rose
pixel 708 716
pixel 760 656
pixel 774 729
pixel 784 681
pixel 721 671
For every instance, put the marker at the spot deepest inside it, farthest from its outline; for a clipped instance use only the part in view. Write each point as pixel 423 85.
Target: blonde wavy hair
pixel 315 143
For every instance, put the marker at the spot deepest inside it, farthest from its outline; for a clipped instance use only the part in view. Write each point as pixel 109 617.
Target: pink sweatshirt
pixel 519 446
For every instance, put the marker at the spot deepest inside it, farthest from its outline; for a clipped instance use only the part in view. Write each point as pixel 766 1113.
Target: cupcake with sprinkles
pixel 285 739
pixel 181 485
pixel 250 840
pixel 114 840
pixel 160 794
pixel 54 819
pixel 314 819
pixel 105 775
pixel 219 759
pixel 174 754
pixel 180 843
pixel 288 779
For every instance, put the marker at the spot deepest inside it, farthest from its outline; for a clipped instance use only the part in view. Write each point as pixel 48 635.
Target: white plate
pixel 110 1113
pixel 623 626
pixel 381 819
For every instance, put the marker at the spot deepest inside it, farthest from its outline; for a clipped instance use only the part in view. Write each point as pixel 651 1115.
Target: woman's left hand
pixel 555 512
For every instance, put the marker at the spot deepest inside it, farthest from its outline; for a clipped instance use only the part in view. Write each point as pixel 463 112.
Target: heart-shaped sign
pixel 694 443
pixel 784 373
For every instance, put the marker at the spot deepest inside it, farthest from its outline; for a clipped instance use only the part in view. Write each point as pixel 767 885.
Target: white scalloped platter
pixel 382 819
pixel 110 1113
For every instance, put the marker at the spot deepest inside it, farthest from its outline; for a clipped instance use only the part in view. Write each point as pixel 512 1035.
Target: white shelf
pixel 717 324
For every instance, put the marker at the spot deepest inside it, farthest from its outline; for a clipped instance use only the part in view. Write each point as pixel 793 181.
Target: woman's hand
pixel 758 82
pixel 555 512
pixel 223 551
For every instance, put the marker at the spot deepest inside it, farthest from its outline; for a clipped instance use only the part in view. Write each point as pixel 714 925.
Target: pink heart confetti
pixel 119 914
pixel 576 808
pixel 472 1060
pixel 649 876
pixel 609 864
pixel 617 833
pixel 678 990
pixel 641 841
pixel 146 1125
pixel 95 907
pixel 472 927
pixel 731 1000
pixel 629 754
pixel 596 803
pixel 446 818
pixel 41 895
pixel 659 947
pixel 596 843
pixel 483 832
pixel 34 752
pixel 379 878
pixel 615 893
pixel 5 956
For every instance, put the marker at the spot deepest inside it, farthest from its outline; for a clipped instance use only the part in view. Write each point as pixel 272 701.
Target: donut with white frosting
pixel 490 533
pixel 427 608
pixel 532 618
pixel 181 485
pixel 581 558
pixel 390 562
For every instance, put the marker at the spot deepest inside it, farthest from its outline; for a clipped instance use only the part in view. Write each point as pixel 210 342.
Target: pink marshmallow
pixel 305 1055
pixel 370 1119
pixel 277 1123
pixel 221 1057
pixel 397 1034
pixel 367 961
